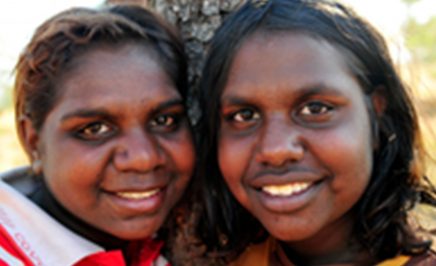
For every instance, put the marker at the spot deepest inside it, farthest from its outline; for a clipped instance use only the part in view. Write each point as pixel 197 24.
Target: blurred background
pixel 18 20
pixel 408 25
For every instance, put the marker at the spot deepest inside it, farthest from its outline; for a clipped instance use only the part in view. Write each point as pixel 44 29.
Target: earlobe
pixel 28 137
pixel 378 100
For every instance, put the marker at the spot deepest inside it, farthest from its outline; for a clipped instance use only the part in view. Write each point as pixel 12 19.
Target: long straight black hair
pixel 396 183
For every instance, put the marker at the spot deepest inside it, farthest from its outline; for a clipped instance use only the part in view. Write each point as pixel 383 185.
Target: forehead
pixel 276 69
pixel 92 54
pixel 285 53
pixel 297 49
pixel 128 72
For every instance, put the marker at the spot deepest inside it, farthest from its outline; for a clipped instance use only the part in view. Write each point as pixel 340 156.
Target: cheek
pixel 233 157
pixel 74 183
pixel 358 147
pixel 83 165
pixel 181 152
pixel 73 171
pixel 74 175
pixel 349 157
pixel 362 157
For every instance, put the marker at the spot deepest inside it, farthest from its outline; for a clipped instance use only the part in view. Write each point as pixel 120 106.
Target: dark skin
pixel 116 149
pixel 295 133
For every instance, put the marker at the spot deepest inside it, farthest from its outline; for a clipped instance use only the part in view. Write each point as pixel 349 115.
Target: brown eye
pixel 94 131
pixel 315 108
pixel 245 115
pixel 163 120
pixel 168 122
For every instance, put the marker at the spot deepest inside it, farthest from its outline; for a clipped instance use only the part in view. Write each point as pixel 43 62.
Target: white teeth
pixel 138 195
pixel 287 189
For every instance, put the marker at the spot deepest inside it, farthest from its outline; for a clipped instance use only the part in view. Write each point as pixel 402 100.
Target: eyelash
pixel 171 121
pixel 321 108
pixel 311 111
pixel 242 118
pixel 92 131
pixel 100 130
pixel 242 115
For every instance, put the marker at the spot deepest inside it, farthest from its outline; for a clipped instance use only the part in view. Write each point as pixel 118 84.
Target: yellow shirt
pixel 259 255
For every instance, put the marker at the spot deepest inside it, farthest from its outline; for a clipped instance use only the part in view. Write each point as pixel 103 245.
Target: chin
pixel 134 235
pixel 136 231
pixel 290 233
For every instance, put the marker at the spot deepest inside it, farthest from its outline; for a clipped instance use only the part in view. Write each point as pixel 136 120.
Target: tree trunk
pixel 197 20
pixel 128 2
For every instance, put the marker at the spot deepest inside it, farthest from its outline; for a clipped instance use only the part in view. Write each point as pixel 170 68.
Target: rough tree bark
pixel 197 20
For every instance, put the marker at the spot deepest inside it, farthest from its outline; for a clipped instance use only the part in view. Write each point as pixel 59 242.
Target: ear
pixel 378 100
pixel 28 136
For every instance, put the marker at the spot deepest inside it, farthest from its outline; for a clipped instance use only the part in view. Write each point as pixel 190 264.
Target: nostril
pixel 122 153
pixel 138 153
pixel 278 152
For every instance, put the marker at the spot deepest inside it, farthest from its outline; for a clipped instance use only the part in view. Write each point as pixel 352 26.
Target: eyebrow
pixel 234 100
pixel 319 89
pixel 85 113
pixel 304 92
pixel 169 104
pixel 103 112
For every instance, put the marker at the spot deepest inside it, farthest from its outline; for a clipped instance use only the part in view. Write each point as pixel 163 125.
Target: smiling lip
pixel 286 180
pixel 138 195
pixel 289 197
pixel 287 191
pixel 137 202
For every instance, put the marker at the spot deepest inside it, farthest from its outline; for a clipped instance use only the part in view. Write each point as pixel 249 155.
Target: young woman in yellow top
pixel 310 142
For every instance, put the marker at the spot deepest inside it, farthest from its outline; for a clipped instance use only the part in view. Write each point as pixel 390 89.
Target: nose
pixel 138 151
pixel 280 143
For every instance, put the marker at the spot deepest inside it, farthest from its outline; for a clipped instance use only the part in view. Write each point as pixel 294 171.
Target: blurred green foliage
pixel 410 2
pixel 421 39
pixel 5 97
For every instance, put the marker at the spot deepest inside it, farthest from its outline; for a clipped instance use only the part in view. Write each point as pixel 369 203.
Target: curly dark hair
pixel 397 182
pixel 62 38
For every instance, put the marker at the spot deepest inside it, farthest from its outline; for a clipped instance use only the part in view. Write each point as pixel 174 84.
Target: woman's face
pixel 295 138
pixel 116 149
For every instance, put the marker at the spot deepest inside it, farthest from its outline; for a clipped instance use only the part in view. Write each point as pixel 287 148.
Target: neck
pixel 352 255
pixel 45 199
pixel 333 245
